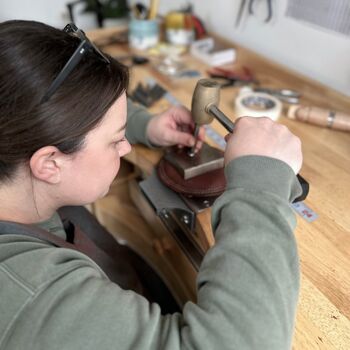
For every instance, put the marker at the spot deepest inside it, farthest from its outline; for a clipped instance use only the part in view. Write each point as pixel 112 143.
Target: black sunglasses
pixel 84 46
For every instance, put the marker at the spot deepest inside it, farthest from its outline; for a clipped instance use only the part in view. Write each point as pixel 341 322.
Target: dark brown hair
pixel 31 56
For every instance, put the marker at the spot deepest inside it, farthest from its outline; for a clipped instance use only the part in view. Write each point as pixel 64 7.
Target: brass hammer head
pixel 206 94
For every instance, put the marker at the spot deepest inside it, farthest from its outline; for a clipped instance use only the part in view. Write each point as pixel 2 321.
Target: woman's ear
pixel 45 164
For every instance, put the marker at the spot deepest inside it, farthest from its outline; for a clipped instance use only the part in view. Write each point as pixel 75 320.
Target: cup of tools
pixel 143 33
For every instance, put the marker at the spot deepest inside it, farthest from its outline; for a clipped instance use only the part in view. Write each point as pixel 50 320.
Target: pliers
pixel 269 9
pixel 228 77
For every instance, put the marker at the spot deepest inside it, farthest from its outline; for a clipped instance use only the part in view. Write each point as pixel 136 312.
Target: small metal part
pixel 330 119
pixel 191 151
pixel 185 219
pixel 206 203
pixel 207 159
pixel 198 204
pixel 285 95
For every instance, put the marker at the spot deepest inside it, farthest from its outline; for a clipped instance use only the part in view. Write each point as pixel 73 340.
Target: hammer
pixel 206 97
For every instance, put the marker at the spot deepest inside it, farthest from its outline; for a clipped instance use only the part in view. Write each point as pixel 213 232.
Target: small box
pixel 212 53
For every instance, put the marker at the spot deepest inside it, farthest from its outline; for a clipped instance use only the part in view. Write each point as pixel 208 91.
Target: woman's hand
pixel 263 137
pixel 175 126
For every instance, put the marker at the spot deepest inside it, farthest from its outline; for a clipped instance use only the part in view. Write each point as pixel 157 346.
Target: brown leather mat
pixel 209 184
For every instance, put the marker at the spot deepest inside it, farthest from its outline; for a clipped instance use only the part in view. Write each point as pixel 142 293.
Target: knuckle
pixel 284 129
pixel 244 120
pixel 266 119
pixel 297 141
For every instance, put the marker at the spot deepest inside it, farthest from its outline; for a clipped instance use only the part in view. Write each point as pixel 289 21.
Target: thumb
pixel 183 138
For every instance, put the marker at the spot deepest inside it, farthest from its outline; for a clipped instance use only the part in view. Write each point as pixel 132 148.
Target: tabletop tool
pixel 319 116
pixel 232 77
pixel 146 94
pixel 205 102
pixel 285 95
pixel 140 11
pixel 153 9
pixel 240 12
pixel 251 9
pixel 205 99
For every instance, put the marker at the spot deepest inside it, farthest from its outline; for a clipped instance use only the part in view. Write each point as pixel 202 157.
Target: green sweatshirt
pixel 56 298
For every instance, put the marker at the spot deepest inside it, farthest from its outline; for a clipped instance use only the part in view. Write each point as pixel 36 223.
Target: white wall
pixel 314 52
pixel 48 11
pixel 53 12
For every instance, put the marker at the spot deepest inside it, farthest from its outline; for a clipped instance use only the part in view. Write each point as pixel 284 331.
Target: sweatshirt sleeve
pixel 138 118
pixel 247 284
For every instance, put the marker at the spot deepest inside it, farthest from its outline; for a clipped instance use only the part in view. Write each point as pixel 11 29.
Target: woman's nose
pixel 126 149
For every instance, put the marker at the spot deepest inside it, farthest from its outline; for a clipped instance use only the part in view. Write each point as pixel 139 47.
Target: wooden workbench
pixel 323 318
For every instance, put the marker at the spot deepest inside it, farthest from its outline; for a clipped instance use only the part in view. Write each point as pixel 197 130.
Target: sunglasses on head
pixel 85 46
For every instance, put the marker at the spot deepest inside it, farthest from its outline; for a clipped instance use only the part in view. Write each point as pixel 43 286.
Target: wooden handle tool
pixel 319 116
pixel 153 9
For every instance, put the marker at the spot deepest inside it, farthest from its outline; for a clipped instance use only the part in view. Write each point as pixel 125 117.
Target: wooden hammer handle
pixel 320 116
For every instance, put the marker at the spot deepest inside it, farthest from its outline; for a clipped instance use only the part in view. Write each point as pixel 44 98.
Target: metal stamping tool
pixel 204 107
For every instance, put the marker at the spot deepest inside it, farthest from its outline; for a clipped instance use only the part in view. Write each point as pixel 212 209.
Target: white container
pixel 212 53
pixel 143 33
pixel 179 36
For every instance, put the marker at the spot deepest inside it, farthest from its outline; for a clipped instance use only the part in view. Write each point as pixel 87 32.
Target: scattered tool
pixel 131 60
pixel 285 95
pixel 240 13
pixel 251 9
pixel 140 11
pixel 153 9
pixel 320 116
pixel 232 77
pixel 147 95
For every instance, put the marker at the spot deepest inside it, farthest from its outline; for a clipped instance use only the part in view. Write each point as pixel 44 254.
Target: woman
pixel 63 124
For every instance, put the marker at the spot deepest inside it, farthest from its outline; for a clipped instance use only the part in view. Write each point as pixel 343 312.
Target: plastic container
pixel 179 29
pixel 143 33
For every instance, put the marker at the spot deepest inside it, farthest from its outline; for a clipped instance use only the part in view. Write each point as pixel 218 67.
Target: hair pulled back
pixel 31 55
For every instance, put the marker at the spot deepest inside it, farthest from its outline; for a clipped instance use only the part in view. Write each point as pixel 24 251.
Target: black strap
pixel 118 272
pixel 9 227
